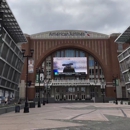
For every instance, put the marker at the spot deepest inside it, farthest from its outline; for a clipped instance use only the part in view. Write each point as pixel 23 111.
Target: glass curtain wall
pixel 94 69
pixel 11 61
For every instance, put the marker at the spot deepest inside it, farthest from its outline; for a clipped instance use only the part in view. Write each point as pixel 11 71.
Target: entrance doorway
pixel 83 97
pixel 57 97
pixel 70 97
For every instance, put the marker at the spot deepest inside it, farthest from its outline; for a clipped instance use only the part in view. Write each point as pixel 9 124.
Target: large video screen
pixel 70 65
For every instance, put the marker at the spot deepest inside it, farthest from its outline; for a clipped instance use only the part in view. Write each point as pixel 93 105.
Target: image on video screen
pixel 70 65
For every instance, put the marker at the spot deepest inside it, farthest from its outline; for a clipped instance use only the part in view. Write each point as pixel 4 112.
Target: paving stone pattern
pixel 70 116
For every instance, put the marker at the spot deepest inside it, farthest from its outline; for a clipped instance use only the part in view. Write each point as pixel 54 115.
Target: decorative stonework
pixel 69 34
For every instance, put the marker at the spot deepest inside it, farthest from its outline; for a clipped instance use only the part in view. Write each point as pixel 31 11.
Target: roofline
pixel 123 35
pixel 5 9
pixel 68 30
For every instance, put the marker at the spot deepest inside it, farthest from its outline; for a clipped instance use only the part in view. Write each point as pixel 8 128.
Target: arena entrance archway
pixel 75 92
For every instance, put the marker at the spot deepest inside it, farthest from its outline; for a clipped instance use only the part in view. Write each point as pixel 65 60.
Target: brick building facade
pixel 102 65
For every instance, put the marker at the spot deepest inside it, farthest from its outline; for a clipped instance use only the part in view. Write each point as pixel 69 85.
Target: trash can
pixel 17 108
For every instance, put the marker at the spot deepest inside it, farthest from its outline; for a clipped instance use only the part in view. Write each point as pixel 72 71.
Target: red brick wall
pixel 96 47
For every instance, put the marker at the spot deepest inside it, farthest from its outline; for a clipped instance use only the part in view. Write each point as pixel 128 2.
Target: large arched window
pixel 69 53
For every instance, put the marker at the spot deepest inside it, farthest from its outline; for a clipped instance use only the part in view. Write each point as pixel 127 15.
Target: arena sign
pixel 69 34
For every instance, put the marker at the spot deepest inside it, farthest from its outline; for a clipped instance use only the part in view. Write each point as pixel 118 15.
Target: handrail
pixel 72 82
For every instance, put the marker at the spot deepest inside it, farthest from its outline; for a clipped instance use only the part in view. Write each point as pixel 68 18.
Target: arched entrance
pixel 73 88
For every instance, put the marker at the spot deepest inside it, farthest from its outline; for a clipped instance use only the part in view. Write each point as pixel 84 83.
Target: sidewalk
pixel 69 116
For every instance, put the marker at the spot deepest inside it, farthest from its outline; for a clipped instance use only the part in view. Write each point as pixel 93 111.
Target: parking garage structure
pixel 11 59
pixel 124 59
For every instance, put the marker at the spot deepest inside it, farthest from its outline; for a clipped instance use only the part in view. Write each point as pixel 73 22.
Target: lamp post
pixel 26 108
pixel 93 90
pixel 114 83
pixel 95 82
pixel 103 90
pixel 43 102
pixel 128 94
pixel 39 71
pixel 44 81
pixel 48 82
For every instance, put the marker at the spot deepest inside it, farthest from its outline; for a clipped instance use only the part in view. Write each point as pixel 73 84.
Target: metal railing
pixel 77 82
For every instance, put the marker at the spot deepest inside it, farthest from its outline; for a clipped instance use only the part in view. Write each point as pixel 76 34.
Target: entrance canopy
pixel 124 37
pixel 71 83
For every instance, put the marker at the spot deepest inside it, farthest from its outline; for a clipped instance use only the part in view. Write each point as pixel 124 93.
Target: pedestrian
pixel 6 100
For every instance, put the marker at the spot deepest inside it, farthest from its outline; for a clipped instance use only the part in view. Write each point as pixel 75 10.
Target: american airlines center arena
pixel 75 65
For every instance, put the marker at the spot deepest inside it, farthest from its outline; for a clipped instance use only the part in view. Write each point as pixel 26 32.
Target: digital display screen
pixel 70 65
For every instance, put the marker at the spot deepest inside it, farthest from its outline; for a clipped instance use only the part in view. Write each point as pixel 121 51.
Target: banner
pixel 116 82
pixel 41 78
pixel 37 78
pixel 30 66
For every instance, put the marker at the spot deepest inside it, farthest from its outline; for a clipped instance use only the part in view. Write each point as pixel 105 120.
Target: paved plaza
pixel 69 116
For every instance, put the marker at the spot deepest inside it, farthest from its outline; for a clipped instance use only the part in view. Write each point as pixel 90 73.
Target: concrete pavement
pixel 69 116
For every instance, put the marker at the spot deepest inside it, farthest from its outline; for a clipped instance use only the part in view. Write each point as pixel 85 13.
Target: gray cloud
pixel 104 16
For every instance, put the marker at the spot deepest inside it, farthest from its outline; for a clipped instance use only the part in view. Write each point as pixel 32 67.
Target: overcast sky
pixel 103 16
